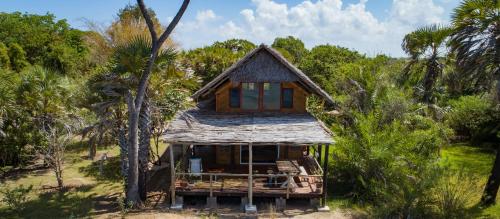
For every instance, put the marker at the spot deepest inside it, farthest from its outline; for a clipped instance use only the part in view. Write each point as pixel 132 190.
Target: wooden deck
pixel 239 187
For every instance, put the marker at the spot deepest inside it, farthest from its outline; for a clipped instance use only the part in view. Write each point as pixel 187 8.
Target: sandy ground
pixel 231 209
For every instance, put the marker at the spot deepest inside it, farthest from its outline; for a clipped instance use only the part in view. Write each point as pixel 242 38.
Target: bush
pixel 17 197
pixel 455 192
pixel 474 117
pixel 392 165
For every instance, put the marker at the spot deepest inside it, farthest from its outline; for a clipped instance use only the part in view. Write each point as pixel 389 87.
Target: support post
pixel 325 207
pixel 250 208
pixel 320 150
pixel 172 180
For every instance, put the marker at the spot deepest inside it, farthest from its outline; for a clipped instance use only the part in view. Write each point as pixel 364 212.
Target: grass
pixel 477 162
pixel 87 193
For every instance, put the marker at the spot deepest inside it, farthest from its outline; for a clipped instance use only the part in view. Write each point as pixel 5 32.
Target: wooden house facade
pixel 250 135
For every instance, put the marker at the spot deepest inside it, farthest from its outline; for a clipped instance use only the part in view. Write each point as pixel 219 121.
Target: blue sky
pixel 369 26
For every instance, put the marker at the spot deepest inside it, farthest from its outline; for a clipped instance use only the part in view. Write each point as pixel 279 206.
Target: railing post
pixel 288 186
pixel 211 193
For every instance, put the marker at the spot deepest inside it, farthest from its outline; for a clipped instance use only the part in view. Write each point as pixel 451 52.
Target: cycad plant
pixel 425 46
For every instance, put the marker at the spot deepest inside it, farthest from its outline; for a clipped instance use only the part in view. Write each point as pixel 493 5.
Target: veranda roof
pixel 199 127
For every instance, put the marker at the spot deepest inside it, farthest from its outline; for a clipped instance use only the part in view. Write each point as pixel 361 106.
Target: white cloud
pixel 316 22
pixel 207 15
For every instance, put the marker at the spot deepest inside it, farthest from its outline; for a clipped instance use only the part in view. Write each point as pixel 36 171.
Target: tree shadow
pixel 70 202
pixel 111 170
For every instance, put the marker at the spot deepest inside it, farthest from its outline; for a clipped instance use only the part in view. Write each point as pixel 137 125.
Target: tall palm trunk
pixel 430 78
pixel 122 142
pixel 491 188
pixel 144 146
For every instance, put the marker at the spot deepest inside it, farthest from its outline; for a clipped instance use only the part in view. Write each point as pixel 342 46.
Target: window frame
pixel 260 108
pixel 282 97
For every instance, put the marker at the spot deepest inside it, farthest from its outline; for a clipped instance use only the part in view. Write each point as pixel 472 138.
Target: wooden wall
pixel 299 98
pixel 223 154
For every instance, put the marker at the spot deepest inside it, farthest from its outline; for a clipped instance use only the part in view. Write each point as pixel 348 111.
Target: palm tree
pixel 476 42
pixel 425 45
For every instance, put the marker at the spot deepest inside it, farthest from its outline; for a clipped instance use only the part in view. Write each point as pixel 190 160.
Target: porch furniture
pixel 195 166
pixel 290 168
pixel 272 178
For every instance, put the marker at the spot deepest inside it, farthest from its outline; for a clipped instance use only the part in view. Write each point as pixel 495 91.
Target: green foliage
pixel 475 41
pixel 44 40
pixel 475 117
pixel 293 46
pixel 390 164
pixel 455 192
pixel 4 57
pixel 17 57
pixel 17 197
pixel 322 63
pixel 208 62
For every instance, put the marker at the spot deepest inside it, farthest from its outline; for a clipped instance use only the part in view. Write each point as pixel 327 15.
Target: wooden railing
pixel 315 180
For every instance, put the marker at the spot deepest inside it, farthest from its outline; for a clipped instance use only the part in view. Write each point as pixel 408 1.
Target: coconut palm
pixel 476 42
pixel 425 47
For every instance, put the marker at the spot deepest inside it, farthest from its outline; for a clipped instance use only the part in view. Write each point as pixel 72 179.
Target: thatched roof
pixel 263 64
pixel 199 127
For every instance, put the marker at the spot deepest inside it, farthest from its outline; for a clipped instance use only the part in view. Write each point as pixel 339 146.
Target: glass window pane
pixel 287 98
pixel 271 96
pixel 250 95
pixel 261 154
pixel 234 97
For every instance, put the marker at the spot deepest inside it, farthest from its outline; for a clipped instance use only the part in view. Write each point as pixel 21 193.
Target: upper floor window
pixel 271 96
pixel 287 101
pixel 260 96
pixel 250 96
pixel 234 97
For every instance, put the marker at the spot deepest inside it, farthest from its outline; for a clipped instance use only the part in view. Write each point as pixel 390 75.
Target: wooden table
pixel 289 167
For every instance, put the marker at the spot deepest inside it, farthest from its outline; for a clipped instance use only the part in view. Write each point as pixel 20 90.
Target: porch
pixel 248 155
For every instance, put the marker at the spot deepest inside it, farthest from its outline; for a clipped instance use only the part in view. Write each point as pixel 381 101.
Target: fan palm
pixel 425 45
pixel 476 42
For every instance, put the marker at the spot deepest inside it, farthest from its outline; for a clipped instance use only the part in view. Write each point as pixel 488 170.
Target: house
pixel 251 136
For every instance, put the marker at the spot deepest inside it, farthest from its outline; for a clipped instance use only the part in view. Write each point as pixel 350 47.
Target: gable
pixel 262 67
pixel 266 65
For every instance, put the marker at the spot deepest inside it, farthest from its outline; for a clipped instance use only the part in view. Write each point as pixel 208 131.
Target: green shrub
pixel 455 193
pixel 474 117
pixel 392 165
pixel 17 197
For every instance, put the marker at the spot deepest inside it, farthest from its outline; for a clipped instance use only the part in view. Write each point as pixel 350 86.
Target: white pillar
pixel 172 180
pixel 250 208
pixel 250 172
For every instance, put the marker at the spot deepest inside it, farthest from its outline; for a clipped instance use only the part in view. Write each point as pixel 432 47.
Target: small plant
pixel 456 192
pixel 124 206
pixel 17 197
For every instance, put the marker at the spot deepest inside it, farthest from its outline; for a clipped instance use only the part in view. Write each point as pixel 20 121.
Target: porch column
pixel 174 205
pixel 320 147
pixel 250 208
pixel 324 207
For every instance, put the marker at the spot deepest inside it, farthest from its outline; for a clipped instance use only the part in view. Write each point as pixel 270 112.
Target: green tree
pixel 210 61
pixel 4 57
pixel 46 41
pixel 17 57
pixel 294 46
pixel 476 42
pixel 425 45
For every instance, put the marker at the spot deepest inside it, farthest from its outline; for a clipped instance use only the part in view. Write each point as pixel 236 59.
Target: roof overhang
pixel 197 127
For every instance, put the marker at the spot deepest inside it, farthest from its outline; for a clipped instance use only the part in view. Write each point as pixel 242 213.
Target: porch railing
pixel 314 181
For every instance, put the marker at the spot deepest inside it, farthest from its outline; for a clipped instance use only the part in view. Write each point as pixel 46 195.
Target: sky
pixel 369 26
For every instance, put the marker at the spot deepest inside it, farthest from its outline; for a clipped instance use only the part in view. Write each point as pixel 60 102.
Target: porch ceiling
pixel 200 127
